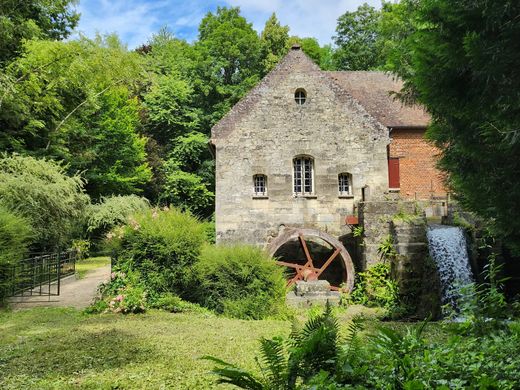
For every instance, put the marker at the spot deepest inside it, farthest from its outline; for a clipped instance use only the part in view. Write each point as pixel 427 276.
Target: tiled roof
pixel 373 90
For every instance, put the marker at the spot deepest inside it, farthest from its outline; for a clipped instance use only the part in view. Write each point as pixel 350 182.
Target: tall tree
pixel 357 39
pixel 228 62
pixel 29 19
pixel 274 43
pixel 465 58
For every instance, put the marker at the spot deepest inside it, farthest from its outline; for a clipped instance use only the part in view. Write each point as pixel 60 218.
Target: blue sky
pixel 136 20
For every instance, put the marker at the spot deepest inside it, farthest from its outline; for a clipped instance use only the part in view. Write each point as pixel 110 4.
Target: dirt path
pixel 77 293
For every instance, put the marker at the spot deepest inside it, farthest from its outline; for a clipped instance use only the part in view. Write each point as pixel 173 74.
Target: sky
pixel 135 21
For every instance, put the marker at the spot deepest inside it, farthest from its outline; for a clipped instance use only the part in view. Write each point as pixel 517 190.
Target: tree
pixel 274 43
pixel 71 101
pixel 41 192
pixel 228 62
pixel 33 19
pixel 357 39
pixel 464 56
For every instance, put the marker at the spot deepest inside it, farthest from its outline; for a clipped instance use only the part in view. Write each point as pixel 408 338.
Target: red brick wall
pixel 418 176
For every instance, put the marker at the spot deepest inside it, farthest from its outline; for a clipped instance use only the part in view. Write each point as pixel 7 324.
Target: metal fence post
pixel 59 273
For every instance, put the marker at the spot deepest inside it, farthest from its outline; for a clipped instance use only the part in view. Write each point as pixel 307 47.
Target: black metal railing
pixel 41 274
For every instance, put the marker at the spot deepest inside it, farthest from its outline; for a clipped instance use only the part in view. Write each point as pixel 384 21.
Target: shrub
pixel 40 191
pixel 374 287
pixel 112 211
pixel 15 236
pixel 175 304
pixel 161 245
pixel 239 281
pixel 124 293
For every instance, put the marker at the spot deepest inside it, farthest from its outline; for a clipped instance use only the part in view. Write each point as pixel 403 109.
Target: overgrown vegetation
pixel 382 359
pixel 239 281
pixel 375 288
pixel 160 262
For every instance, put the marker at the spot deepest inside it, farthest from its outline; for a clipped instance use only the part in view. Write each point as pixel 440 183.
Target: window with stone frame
pixel 300 96
pixel 260 185
pixel 345 183
pixel 303 167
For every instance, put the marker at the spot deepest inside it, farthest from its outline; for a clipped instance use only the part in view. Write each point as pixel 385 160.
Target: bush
pixel 112 211
pixel 161 245
pixel 239 281
pixel 124 293
pixel 15 236
pixel 40 191
pixel 374 287
pixel 175 304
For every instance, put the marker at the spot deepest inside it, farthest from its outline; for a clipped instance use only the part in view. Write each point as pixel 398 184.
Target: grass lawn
pixel 85 265
pixel 65 349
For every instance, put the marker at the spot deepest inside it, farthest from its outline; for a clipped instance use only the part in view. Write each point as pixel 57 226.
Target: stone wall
pixel 376 218
pixel 413 269
pixel 267 129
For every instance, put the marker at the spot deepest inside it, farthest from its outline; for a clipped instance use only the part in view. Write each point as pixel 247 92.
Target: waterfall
pixel 449 252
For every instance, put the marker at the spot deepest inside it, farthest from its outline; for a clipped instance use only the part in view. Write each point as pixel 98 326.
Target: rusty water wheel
pixel 309 270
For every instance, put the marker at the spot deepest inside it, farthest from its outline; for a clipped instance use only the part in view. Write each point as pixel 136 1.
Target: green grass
pixel 65 348
pixel 86 265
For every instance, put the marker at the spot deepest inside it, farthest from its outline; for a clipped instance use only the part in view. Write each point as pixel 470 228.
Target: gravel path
pixel 78 293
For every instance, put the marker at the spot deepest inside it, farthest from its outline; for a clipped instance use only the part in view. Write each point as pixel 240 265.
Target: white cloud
pixel 136 21
pixel 306 18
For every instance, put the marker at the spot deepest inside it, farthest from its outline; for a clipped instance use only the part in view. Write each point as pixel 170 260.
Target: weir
pixel 447 246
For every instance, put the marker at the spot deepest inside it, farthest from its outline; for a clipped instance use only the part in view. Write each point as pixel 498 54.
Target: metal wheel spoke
pixel 329 260
pixel 305 249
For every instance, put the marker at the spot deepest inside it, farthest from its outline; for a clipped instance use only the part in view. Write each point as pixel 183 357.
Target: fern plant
pixel 286 364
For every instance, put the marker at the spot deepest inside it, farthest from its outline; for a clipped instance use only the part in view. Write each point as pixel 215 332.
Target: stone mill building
pixel 300 152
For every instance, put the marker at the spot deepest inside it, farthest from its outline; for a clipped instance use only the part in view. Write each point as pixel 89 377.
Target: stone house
pixel 305 146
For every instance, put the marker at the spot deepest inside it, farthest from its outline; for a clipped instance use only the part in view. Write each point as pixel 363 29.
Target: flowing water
pixel 449 251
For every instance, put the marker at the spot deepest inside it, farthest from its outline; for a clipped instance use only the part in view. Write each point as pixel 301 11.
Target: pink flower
pixel 113 275
pixel 119 298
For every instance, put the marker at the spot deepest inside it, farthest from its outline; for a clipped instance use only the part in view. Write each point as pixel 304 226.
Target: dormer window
pixel 345 184
pixel 260 185
pixel 300 96
pixel 303 175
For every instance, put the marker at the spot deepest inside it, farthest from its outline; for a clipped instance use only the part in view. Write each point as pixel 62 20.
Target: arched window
pixel 303 175
pixel 260 185
pixel 300 96
pixel 345 183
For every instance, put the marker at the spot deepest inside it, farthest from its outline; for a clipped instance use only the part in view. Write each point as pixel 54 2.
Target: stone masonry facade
pixel 267 130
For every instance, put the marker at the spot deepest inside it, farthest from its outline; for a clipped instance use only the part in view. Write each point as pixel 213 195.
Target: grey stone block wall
pixel 268 129
pixel 376 219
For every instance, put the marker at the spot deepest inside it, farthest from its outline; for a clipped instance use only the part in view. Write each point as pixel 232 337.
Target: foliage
pixel 119 152
pixel 357 39
pixel 273 42
pixel 374 287
pixel 174 304
pixel 386 248
pixel 228 62
pixel 459 60
pixel 239 281
pixel 161 245
pixel 113 211
pixel 15 237
pixel 483 306
pixel 33 19
pixel 123 293
pixel 186 191
pixel 40 191
pixel 284 363
pixel 170 109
